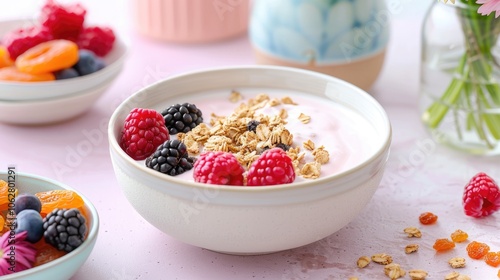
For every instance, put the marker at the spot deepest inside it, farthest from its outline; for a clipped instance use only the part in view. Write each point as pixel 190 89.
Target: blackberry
pixel 170 158
pixel 64 229
pixel 182 117
pixel 252 125
pixel 282 146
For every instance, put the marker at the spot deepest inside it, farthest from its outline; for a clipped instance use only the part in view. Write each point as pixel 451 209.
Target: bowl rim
pixel 110 68
pixel 378 151
pixel 91 236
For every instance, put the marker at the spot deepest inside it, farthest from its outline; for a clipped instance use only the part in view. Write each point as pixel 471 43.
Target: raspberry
pixel 143 131
pixel 273 167
pixel 218 168
pixel 170 158
pixel 182 117
pixel 64 229
pixel 481 196
pixel 63 21
pixel 20 40
pixel 100 40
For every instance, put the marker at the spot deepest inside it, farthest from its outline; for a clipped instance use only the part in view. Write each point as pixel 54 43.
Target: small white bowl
pixel 49 111
pixel 27 91
pixel 252 220
pixel 66 266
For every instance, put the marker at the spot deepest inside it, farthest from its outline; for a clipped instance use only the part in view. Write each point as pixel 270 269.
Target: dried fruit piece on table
pixel 492 258
pixel 100 40
pixel 13 74
pixel 411 248
pixel 363 261
pixel 477 250
pixel 20 40
pixel 272 167
pixel 59 199
pixel 394 271
pixel 417 274
pixel 443 244
pixel 48 57
pixel 46 253
pixel 143 131
pixel 218 168
pixel 382 259
pixel 459 236
pixel 63 21
pixel 170 158
pixel 457 262
pixel 481 196
pixel 427 218
pixel 413 232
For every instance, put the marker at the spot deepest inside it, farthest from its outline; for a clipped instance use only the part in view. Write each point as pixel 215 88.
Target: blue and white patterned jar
pixel 343 38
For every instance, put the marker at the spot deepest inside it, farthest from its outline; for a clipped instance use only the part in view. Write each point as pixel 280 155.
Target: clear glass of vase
pixel 460 92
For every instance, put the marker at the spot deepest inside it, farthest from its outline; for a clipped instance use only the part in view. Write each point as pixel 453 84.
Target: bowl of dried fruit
pixel 53 226
pixel 56 67
pixel 250 159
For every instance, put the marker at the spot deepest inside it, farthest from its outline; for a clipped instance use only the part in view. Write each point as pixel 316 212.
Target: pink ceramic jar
pixel 191 21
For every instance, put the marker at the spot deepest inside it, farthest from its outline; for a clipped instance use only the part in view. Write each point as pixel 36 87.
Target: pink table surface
pixel 421 175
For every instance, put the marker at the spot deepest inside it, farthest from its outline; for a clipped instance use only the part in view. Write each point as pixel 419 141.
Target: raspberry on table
pixel 63 21
pixel 100 40
pixel 492 258
pixel 182 117
pixel 143 131
pixel 481 196
pixel 20 40
pixel 170 158
pixel 218 168
pixel 272 167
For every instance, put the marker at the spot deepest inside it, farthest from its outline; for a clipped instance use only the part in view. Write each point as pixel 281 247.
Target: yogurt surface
pixel 342 131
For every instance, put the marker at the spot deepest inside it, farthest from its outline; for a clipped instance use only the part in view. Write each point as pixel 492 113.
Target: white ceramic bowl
pixel 251 220
pixel 21 91
pixel 66 266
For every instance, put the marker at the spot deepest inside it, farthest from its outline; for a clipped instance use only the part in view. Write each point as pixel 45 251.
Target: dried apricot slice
pixel 13 74
pixel 492 258
pixel 427 218
pixel 46 253
pixel 5 59
pixel 477 250
pixel 443 244
pixel 48 57
pixel 459 236
pixel 59 199
pixel 5 195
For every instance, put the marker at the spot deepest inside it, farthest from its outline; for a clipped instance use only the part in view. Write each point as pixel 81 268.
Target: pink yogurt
pixel 341 130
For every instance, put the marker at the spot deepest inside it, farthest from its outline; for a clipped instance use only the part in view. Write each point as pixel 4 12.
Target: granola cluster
pixel 231 134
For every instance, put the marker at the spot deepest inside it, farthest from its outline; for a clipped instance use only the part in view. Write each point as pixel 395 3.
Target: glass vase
pixel 460 91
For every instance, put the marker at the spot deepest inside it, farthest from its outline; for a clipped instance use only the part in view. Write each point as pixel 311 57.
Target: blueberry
pixel 100 64
pixel 27 201
pixel 67 73
pixel 30 220
pixel 87 62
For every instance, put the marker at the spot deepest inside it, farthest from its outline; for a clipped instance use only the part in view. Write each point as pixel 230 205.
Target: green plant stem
pixel 473 87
